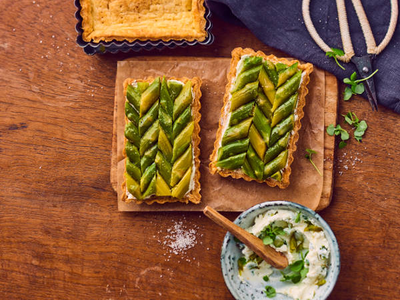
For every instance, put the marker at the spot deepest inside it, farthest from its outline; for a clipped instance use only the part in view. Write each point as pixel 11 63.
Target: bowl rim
pixel 292 205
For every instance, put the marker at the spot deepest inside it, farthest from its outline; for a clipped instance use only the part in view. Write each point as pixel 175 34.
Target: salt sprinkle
pixel 179 238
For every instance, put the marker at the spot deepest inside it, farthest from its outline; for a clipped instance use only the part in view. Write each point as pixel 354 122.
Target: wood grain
pixel 61 236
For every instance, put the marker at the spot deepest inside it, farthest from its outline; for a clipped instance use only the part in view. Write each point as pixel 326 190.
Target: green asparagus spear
pixel 249 62
pixel 286 74
pixel 236 132
pixel 275 165
pixel 132 134
pixel 149 138
pixel 284 126
pixel 163 166
pixel 133 187
pixel 147 176
pixel 233 162
pixel 132 170
pixel 148 157
pixel 183 100
pixel 271 71
pixel 277 176
pixel 165 99
pixel 234 148
pixel 149 96
pixel 182 187
pixel 164 145
pixel 182 141
pixel 257 141
pixel 165 123
pixel 175 88
pixel 132 153
pixel 245 95
pixel 267 85
pixel 264 104
pixel 277 148
pixel 284 110
pixel 133 95
pixel 131 113
pixel 247 169
pixel 181 165
pixel 151 189
pixel 182 121
pixel 245 77
pixel 148 119
pixel 255 162
pixel 262 124
pixel 286 90
pixel 162 188
pixel 243 112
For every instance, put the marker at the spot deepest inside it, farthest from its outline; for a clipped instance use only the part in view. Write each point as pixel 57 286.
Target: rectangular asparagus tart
pixel 162 140
pixel 260 119
pixel 105 20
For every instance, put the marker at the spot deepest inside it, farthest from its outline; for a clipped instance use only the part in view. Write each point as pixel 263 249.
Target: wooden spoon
pixel 267 253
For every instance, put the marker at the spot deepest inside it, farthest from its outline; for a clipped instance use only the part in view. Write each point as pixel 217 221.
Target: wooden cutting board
pixel 323 110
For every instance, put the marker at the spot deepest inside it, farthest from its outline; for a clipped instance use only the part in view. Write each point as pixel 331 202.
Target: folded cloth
pixel 280 24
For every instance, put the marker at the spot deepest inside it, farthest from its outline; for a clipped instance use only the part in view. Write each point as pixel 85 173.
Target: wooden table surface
pixel 61 235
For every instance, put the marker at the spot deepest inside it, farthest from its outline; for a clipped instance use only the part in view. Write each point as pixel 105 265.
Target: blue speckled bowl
pixel 231 252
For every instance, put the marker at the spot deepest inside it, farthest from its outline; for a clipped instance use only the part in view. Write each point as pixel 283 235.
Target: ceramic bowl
pixel 231 252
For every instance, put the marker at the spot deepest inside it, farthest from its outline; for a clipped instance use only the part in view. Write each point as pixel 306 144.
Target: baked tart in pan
pixel 131 20
pixel 162 140
pixel 260 118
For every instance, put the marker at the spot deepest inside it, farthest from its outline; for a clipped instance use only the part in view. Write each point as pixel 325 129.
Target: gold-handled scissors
pixel 362 63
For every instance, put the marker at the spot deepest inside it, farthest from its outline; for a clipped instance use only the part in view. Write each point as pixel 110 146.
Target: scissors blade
pixel 364 68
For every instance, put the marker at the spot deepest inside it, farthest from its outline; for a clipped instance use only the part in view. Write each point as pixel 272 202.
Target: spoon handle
pixel 267 253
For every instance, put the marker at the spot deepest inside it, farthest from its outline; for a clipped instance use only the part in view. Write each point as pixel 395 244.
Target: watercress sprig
pixel 297 270
pixel 335 53
pixel 360 126
pixel 356 86
pixel 309 154
pixel 344 135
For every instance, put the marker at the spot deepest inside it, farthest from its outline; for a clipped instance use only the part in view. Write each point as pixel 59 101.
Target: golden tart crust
pixel 194 195
pixel 307 68
pixel 130 20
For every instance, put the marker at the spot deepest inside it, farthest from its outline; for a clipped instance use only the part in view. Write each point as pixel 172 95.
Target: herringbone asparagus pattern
pixel 262 104
pixel 159 138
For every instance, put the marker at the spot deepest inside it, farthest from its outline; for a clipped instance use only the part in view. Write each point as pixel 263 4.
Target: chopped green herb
pixel 266 278
pixel 270 291
pixel 335 53
pixel 269 233
pixel 241 263
pixel 296 271
pixel 356 86
pixel 297 220
pixel 309 154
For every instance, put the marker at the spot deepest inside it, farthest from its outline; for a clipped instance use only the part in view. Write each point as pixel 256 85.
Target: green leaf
pixel 363 125
pixel 344 135
pixel 268 240
pixel 347 81
pixel 353 76
pixel 359 88
pixel 342 144
pixel 348 120
pixel 270 291
pixel 266 278
pixel 241 263
pixel 337 51
pixel 303 273
pixel 347 93
pixel 330 129
pixel 297 266
pixel 330 54
pixel 311 151
pixel 296 278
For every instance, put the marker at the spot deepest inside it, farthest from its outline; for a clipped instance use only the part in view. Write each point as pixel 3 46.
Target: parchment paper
pixel 226 194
